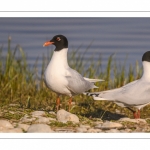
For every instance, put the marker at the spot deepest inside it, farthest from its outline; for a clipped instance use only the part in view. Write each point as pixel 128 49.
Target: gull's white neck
pixel 146 70
pixel 59 58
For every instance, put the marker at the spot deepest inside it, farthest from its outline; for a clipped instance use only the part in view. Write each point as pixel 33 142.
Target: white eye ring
pixel 58 38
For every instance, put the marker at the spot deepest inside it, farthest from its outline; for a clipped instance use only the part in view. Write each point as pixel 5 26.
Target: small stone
pixel 14 124
pixel 39 128
pixel 15 130
pixel 64 116
pixel 43 120
pixel 52 119
pixel 109 125
pixel 52 112
pixel 85 126
pixel 112 131
pixel 23 126
pixel 64 130
pixel 91 130
pixel 38 113
pixel 139 129
pixel 5 124
pixel 128 130
pixel 125 131
pixel 98 122
pixel 133 120
pixel 27 119
pixel 81 130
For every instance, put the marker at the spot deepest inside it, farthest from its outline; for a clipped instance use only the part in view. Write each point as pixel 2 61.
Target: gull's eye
pixel 58 38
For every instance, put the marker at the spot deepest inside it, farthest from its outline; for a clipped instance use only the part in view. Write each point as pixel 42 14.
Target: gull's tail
pixel 93 80
pixel 95 95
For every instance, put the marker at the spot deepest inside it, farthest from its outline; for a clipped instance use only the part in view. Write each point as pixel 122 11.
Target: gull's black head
pixel 146 56
pixel 60 41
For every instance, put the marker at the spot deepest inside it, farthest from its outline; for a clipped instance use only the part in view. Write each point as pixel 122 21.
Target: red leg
pixel 57 103
pixel 136 114
pixel 70 100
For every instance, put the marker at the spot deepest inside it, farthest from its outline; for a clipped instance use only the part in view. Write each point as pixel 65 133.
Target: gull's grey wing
pixel 76 83
pixel 134 93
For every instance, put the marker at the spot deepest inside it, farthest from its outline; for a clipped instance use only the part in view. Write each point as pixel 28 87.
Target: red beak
pixel 47 43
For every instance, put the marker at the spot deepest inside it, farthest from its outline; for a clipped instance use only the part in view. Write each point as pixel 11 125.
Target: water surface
pixel 123 36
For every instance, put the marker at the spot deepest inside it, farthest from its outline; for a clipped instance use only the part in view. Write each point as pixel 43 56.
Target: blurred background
pixel 127 38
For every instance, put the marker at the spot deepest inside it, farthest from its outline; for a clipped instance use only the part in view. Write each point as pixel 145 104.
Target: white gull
pixel 62 79
pixel 134 94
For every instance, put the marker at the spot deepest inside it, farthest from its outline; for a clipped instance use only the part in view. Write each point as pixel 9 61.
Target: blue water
pixel 123 36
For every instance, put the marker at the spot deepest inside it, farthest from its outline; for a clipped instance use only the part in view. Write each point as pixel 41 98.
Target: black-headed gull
pixel 134 94
pixel 59 77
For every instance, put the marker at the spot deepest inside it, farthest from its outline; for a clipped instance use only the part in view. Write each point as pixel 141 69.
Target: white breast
pixel 55 72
